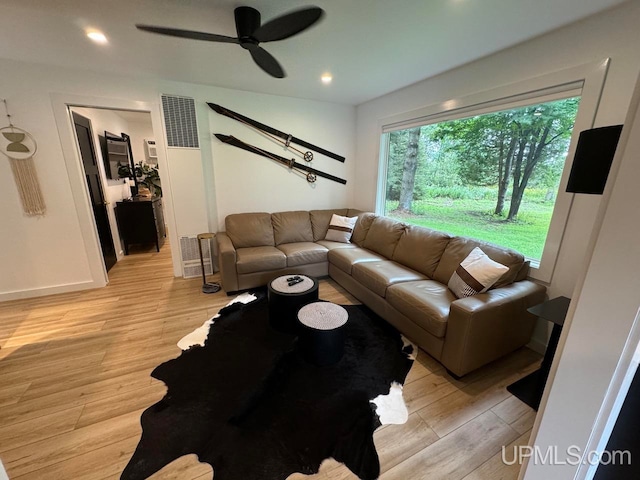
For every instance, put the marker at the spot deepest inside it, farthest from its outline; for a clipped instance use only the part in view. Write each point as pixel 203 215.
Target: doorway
pixel 124 148
pixel 62 104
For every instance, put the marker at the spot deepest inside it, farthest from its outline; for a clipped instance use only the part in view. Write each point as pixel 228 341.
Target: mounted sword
pixel 310 173
pixel 285 138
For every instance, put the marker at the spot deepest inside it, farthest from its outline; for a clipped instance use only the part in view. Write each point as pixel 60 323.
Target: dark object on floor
pixel 141 221
pixel 530 388
pixel 322 332
pixel 285 300
pixel 207 287
pixel 251 407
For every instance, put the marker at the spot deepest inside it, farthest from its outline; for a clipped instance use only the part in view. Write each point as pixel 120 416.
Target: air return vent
pixel 180 121
pixel 191 257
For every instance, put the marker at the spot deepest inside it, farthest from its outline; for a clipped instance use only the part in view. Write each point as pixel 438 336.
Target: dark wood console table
pixel 530 388
pixel 141 221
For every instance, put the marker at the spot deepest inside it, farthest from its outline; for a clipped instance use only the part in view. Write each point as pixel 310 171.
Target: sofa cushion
pixel 421 249
pixel 259 259
pixel 249 229
pixel 377 276
pixel 320 221
pixel 303 253
pixel 340 228
pixel 290 227
pixel 383 236
pixel 346 258
pixel 475 274
pixel 523 273
pixel 459 247
pixel 362 228
pixel 426 303
pixel 329 245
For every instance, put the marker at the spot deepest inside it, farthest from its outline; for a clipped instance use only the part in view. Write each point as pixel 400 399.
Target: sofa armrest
pixel 227 262
pixel 484 327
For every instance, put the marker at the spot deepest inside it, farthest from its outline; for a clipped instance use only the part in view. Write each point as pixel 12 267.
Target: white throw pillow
pixel 476 274
pixel 340 228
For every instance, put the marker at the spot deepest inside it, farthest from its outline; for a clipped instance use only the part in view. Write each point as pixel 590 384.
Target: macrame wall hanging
pixel 19 147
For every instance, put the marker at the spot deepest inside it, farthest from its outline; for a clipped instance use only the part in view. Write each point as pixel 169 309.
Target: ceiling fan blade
pixel 266 61
pixel 176 32
pixel 288 25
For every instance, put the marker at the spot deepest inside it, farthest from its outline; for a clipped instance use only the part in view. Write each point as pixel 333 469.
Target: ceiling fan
pixel 251 33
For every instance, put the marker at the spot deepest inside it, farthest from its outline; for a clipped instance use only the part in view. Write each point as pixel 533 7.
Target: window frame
pixel 587 80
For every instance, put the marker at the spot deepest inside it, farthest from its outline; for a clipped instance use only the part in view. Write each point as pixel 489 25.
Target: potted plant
pixel 146 175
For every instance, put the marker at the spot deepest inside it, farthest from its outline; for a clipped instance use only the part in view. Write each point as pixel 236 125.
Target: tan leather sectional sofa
pixel 399 271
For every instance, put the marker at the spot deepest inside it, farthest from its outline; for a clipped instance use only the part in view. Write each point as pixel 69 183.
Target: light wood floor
pixel 74 379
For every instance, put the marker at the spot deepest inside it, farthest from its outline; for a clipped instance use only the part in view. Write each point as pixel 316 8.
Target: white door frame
pixel 61 109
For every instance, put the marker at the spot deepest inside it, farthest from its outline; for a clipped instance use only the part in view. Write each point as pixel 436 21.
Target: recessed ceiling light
pixel 326 78
pixel 97 36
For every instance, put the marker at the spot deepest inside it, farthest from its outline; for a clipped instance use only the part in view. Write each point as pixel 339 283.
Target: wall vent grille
pixel 191 257
pixel 180 121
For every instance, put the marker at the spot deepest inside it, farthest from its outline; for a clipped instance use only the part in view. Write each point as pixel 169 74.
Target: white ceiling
pixel 371 47
pixel 135 117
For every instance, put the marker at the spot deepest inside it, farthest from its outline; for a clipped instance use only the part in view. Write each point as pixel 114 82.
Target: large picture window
pixel 492 176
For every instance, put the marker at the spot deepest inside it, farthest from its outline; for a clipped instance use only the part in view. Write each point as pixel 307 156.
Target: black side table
pixel 530 388
pixel 285 300
pixel 322 332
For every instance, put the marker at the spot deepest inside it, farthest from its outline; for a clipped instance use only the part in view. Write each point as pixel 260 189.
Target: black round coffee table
pixel 322 332
pixel 286 300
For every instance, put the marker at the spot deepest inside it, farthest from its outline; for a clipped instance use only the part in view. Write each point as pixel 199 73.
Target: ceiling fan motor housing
pixel 247 22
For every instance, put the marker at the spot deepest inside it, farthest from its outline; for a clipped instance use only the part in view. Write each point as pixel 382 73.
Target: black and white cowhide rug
pixel 242 398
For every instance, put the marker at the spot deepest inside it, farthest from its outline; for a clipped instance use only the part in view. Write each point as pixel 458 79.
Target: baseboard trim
pixel 44 291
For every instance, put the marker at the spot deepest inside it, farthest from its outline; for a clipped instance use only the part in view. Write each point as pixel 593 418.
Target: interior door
pixel 94 183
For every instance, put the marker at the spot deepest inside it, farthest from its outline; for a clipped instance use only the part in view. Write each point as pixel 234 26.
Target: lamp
pixel 592 160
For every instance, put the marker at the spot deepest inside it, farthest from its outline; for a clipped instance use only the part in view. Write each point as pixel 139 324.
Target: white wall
pixel 266 185
pixel 139 132
pixel 46 255
pixel 38 252
pixel 600 320
pixel 611 34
